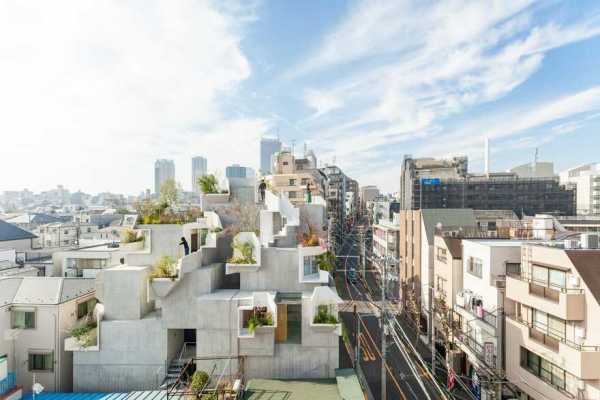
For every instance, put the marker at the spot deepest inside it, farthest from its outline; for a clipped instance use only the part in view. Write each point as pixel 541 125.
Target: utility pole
pixel 383 337
pixel 432 328
pixel 357 346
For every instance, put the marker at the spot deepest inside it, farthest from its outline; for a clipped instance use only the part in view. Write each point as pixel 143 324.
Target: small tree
pixel 208 184
pixel 199 379
pixel 168 192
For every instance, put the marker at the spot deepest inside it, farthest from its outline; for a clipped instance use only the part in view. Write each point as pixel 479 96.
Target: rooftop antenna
pixel 293 145
pixel 535 160
pixel 487 155
pixel 305 149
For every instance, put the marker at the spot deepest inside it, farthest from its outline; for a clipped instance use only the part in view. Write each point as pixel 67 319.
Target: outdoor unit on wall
pixel 574 281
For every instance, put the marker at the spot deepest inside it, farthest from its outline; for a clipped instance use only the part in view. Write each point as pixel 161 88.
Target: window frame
pixel 43 353
pixel 16 310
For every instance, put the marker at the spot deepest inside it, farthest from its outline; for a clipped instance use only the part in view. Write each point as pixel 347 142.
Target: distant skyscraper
pixel 268 147
pixel 199 169
pixel 163 170
pixel 237 171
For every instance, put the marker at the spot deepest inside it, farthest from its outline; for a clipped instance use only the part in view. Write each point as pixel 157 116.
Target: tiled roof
pixel 43 290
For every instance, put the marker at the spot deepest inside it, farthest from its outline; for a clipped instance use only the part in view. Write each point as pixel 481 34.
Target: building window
pixel 441 254
pixel 548 372
pixel 311 266
pixel 89 230
pixel 85 308
pixel 23 319
pixel 292 182
pixel 66 231
pixel 548 277
pixel 285 163
pixel 513 269
pixel 292 195
pixel 304 181
pixel 475 267
pixel 41 362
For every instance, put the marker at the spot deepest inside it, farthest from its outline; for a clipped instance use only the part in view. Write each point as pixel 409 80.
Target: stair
pixel 177 364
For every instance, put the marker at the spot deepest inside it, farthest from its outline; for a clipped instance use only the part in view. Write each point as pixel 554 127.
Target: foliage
pixel 216 230
pixel 83 333
pixel 164 268
pixel 199 379
pixel 168 192
pixel 309 232
pixel 260 317
pixel 244 253
pixel 326 261
pixel 324 317
pixel 310 239
pixel 152 212
pixel 208 184
pixel 122 210
pixel 245 218
pixel 131 236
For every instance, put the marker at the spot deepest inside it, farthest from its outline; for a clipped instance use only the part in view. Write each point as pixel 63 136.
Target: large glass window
pixel 475 266
pixel 311 266
pixel 540 275
pixel 548 372
pixel 23 319
pixel 558 278
pixel 85 308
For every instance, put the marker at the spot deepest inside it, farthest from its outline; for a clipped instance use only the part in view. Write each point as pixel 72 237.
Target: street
pixel 403 382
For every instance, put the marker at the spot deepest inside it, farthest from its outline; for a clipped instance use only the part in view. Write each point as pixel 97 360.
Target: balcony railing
pixel 484 315
pixel 545 289
pixel 550 336
pixel 8 383
pixel 476 347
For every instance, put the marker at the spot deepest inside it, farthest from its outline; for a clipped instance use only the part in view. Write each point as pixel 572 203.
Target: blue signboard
pixel 431 181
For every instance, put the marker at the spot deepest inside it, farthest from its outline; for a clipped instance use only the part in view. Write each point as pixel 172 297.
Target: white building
pixel 163 171
pixel 13 237
pixel 587 180
pixel 36 315
pixel 206 314
pixel 536 169
pixel 66 234
pixel 199 169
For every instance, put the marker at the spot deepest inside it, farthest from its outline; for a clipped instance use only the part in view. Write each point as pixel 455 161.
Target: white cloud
pixel 409 65
pixel 93 91
pixel 320 102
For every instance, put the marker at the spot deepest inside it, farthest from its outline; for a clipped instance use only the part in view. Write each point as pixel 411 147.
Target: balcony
pixel 580 360
pixel 477 348
pixel 565 303
pixel 478 313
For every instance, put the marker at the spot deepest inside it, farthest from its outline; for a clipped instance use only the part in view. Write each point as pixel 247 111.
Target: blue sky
pixel 365 82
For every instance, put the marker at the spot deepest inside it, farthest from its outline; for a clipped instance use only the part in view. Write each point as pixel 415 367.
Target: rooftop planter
pixel 325 310
pixel 246 254
pixel 132 240
pixel 163 277
pixel 84 336
pixel 258 316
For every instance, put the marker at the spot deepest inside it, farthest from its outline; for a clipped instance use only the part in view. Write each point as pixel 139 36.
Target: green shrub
pixel 199 379
pixel 244 253
pixel 260 317
pixel 324 317
pixel 131 236
pixel 208 184
pixel 326 261
pixel 82 333
pixel 164 268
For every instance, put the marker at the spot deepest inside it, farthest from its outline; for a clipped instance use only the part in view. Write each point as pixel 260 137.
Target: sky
pixel 91 93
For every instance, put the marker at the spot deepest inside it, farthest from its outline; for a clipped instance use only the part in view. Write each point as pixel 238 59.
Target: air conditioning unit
pixel 579 334
pixel 574 281
pixel 500 283
pixel 589 241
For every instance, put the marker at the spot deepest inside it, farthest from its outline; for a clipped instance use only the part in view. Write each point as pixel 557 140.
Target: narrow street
pixel 402 381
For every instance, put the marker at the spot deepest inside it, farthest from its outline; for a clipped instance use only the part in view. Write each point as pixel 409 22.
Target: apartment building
pixel 296 178
pixel 268 148
pixel 367 194
pixel 36 315
pixel 66 234
pixel 586 178
pixel 257 310
pixel 552 329
pixel 163 171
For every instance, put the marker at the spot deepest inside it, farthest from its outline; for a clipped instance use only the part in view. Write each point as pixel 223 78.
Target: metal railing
pixel 488 317
pixel 8 383
pixel 547 285
pixel 475 346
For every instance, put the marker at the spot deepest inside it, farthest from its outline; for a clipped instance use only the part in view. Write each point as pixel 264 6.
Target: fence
pixel 7 383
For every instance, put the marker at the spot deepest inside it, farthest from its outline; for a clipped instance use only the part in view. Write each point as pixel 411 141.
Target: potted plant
pixel 324 317
pixel 131 240
pixel 85 334
pixel 163 276
pixel 242 253
pixel 260 317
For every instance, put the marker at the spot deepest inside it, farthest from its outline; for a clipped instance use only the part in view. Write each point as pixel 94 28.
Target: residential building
pixel 163 171
pixel 13 264
pixel 207 311
pixel 296 178
pixel 36 315
pixel 32 221
pixel 335 196
pixel 586 178
pixel 13 237
pixel 580 223
pixel 536 169
pixel 66 234
pixel 199 169
pixel 427 183
pixel 552 325
pixel 268 148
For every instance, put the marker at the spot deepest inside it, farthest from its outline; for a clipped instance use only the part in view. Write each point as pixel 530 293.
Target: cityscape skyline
pixel 366 97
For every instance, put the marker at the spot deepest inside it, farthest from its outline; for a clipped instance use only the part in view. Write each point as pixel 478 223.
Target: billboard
pixel 431 181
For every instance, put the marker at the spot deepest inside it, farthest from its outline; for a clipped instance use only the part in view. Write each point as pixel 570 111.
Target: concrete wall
pixel 132 356
pixel 125 292
pixel 294 361
pixel 164 242
pixel 18 245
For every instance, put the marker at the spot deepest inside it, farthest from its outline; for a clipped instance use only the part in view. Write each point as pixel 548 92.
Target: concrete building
pixel 535 169
pixel 580 223
pixel 237 171
pixel 367 194
pixel 199 169
pixel 36 315
pixel 293 177
pixel 163 171
pixel 66 234
pixel 552 325
pixel 428 183
pixel 586 178
pixel 268 148
pixel 207 311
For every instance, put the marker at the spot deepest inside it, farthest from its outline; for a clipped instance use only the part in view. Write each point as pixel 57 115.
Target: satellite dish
pixel 37 388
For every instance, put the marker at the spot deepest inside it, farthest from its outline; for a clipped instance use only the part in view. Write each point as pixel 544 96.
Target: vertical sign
pixel 488 354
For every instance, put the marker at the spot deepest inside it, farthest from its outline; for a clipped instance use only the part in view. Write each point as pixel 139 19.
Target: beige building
pixel 552 325
pixel 36 315
pixel 291 177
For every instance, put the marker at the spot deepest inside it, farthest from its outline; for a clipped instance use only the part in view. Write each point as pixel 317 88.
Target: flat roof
pixel 496 242
pixel 283 389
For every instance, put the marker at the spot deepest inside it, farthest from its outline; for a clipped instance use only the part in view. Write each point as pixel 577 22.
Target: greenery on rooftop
pixel 260 317
pixel 131 236
pixel 164 268
pixel 158 212
pixel 84 332
pixel 326 261
pixel 324 316
pixel 208 184
pixel 242 253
